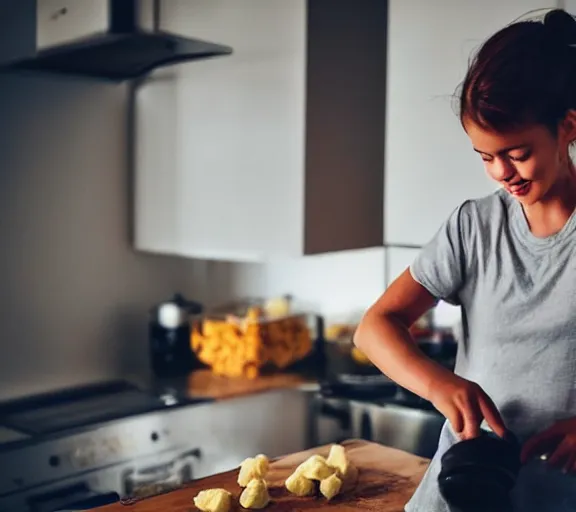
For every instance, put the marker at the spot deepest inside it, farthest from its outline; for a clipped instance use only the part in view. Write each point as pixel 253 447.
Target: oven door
pixel 71 498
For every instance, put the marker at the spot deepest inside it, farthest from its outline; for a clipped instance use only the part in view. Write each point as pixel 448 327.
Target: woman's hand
pixel 558 443
pixel 465 405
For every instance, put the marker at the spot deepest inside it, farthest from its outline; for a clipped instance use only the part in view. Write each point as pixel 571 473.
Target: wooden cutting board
pixel 386 480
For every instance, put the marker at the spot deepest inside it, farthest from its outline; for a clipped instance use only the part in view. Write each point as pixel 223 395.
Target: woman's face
pixel 528 163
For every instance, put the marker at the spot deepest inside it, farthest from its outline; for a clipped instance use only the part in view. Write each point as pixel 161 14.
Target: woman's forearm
pixel 387 342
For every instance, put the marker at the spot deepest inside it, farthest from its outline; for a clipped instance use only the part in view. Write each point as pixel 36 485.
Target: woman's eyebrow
pixel 504 150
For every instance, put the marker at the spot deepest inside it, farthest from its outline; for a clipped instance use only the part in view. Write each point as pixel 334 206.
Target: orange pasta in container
pixel 243 339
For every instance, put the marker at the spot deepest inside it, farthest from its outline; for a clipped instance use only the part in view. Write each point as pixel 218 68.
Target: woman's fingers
pixel 466 405
pixel 540 444
pixel 472 420
pixel 492 416
pixel 456 421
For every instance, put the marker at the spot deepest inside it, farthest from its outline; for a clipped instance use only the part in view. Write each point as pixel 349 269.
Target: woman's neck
pixel 548 216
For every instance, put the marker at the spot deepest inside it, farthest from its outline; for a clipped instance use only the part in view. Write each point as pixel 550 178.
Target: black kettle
pixel 477 475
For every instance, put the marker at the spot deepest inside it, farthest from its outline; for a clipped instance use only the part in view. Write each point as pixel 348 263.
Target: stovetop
pixel 61 411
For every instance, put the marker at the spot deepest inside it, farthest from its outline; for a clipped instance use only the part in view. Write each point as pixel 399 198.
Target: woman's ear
pixel 567 128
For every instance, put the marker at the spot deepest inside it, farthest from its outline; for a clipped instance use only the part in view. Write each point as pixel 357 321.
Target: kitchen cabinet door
pixel 430 165
pixel 278 148
pixel 155 180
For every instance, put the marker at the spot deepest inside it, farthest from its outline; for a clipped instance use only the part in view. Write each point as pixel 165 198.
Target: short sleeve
pixel 440 267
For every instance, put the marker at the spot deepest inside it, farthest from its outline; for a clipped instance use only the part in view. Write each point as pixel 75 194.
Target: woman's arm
pixel 384 337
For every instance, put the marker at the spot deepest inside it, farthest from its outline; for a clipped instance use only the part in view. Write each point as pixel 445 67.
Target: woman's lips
pixel 521 189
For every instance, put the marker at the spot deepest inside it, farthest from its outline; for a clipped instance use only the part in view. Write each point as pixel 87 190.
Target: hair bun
pixel 561 26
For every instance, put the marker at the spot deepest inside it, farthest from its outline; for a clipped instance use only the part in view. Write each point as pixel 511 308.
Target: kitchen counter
pixel 386 480
pixel 204 384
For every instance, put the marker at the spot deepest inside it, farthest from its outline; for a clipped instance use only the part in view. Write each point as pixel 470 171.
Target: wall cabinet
pixel 430 165
pixel 276 150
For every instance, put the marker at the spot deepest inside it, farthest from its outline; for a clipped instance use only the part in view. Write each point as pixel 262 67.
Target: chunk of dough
pixel 315 468
pixel 299 485
pixel 255 495
pixel 213 500
pixel 252 468
pixel 330 487
pixel 338 460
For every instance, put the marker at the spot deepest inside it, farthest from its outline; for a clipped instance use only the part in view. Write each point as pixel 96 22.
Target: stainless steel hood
pixel 109 39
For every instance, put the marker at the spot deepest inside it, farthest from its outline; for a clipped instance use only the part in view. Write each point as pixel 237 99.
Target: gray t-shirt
pixel 517 293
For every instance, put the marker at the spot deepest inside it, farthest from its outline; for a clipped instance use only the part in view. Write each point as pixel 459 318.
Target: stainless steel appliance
pixel 359 401
pixel 408 427
pixel 88 446
pixel 82 448
pixel 401 421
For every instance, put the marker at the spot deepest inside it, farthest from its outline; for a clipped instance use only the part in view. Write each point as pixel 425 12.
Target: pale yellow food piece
pixel 255 495
pixel 213 500
pixel 345 470
pixel 299 485
pixel 315 468
pixel 330 487
pixel 337 459
pixel 261 465
pixel 252 468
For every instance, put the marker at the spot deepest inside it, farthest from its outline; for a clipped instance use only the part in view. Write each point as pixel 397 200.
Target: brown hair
pixel 524 74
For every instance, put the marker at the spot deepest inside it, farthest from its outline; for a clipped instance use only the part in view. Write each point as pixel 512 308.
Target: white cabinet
pixel 430 166
pixel 276 150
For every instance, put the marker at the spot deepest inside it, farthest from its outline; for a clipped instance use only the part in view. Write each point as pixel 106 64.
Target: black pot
pixel 478 474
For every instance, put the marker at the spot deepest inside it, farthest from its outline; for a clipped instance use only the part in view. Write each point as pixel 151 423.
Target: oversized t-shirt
pixel 517 293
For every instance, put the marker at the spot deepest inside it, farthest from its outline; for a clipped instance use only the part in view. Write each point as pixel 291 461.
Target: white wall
pixel 340 286
pixel 74 297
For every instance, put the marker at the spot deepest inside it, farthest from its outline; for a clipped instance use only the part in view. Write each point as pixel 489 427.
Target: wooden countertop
pixel 386 480
pixel 204 384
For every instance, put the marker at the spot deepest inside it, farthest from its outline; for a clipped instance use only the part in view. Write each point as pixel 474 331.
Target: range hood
pixel 109 39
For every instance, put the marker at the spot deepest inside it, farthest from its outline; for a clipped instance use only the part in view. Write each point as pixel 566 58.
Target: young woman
pixel 509 261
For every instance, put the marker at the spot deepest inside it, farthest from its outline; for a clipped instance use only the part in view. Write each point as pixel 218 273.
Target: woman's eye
pixel 520 158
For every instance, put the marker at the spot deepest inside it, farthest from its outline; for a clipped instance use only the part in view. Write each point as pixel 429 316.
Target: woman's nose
pixel 503 170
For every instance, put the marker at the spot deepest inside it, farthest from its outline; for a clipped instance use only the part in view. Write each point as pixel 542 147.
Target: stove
pixel 392 417
pixel 80 448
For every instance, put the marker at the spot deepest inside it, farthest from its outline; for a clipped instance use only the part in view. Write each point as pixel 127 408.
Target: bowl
pixel 478 474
